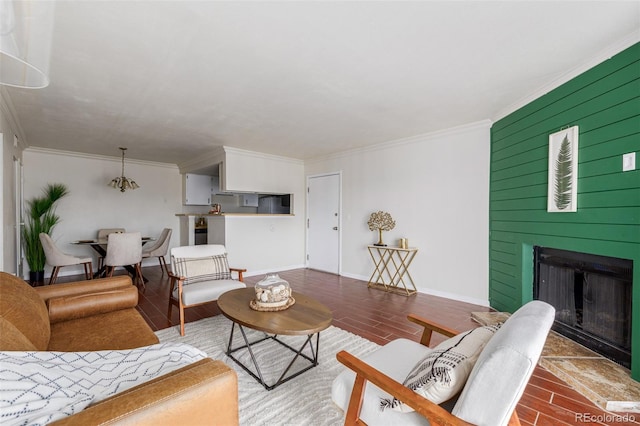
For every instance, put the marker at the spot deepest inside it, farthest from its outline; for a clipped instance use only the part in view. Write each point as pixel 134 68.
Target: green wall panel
pixel 605 103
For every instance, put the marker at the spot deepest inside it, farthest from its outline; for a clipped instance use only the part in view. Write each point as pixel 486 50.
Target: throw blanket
pixel 39 387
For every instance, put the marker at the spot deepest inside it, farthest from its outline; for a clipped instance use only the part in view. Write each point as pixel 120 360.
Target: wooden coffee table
pixel 307 317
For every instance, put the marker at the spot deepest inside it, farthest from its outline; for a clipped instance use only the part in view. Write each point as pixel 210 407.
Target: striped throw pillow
pixel 443 372
pixel 200 269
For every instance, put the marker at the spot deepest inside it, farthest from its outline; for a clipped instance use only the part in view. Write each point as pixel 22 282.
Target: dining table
pixel 100 246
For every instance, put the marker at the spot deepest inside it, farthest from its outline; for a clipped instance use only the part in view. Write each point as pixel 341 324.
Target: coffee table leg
pixel 298 353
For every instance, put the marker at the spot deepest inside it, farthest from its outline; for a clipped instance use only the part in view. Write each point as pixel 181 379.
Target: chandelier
pixel 123 183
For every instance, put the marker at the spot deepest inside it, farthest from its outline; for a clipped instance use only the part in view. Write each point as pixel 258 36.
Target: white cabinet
pixel 197 190
pixel 246 171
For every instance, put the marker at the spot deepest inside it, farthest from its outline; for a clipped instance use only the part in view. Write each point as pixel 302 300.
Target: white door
pixel 323 223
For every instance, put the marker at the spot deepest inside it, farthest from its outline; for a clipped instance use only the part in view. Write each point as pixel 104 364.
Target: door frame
pixel 306 256
pixel 19 213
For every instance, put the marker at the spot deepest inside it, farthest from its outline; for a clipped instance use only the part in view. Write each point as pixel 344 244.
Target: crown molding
pixel 599 58
pixel 465 128
pixel 86 156
pixel 262 155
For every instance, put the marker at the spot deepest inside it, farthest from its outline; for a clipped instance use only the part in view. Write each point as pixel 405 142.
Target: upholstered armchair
pixel 200 274
pixel 372 392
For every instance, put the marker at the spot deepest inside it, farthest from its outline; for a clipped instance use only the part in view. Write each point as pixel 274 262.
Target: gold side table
pixel 392 269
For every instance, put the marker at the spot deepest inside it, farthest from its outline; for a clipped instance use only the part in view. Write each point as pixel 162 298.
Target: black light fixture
pixel 123 183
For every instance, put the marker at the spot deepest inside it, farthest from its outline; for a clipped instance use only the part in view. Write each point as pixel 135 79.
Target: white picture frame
pixel 562 193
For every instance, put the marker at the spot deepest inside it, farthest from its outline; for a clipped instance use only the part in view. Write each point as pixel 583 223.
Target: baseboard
pixel 444 294
pixel 272 270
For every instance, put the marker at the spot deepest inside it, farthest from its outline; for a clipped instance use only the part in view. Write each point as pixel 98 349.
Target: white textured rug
pixel 304 400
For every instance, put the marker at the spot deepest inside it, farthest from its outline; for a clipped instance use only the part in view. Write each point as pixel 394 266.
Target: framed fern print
pixel 563 171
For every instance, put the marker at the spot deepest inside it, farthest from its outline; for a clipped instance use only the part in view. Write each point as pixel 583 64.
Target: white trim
pixel 98 157
pixel 453 296
pixel 443 294
pixel 597 59
pixel 272 270
pixel 438 134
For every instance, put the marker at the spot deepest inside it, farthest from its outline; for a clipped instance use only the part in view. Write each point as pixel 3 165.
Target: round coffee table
pixel 307 317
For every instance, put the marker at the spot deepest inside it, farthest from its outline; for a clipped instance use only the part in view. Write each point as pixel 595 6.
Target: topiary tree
pixel 381 221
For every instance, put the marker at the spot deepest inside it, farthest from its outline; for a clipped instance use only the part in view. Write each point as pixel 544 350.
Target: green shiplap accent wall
pixel 605 103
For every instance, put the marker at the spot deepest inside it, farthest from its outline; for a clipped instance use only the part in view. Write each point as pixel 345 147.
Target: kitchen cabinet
pixel 252 172
pixel 197 190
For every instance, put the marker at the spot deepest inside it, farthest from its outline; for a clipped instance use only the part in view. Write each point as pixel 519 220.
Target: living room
pixel 435 183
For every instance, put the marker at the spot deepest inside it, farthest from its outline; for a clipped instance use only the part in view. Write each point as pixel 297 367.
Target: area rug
pixel 304 400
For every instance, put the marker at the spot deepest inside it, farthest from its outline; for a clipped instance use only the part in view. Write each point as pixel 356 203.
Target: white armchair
pixel 489 396
pixel 200 274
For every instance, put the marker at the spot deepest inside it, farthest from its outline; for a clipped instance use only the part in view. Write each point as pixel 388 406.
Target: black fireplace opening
pixel 592 298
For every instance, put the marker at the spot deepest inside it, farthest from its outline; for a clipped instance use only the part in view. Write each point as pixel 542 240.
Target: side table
pixel 392 268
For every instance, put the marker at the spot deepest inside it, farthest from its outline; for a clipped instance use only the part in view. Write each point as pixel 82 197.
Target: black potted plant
pixel 40 217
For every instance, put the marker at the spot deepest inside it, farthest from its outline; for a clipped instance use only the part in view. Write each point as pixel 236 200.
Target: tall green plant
pixel 41 217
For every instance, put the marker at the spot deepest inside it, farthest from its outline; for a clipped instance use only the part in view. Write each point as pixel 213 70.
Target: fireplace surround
pixel 592 298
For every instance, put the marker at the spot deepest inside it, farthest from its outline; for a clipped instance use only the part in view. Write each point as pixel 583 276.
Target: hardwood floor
pixel 381 317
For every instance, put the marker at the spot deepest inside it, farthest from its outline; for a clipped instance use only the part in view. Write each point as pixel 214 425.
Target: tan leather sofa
pixel 100 315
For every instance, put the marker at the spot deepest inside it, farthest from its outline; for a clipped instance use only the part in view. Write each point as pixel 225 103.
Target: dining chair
pixel 159 249
pixel 56 258
pixel 124 249
pixel 102 235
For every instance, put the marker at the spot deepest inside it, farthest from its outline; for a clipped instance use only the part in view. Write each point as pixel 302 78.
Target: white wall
pixel 91 204
pixel 436 188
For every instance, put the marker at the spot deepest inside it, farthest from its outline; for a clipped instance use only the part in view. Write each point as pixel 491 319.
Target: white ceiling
pixel 172 79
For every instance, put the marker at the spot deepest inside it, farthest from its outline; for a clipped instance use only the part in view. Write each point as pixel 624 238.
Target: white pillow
pixel 443 372
pixel 198 269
